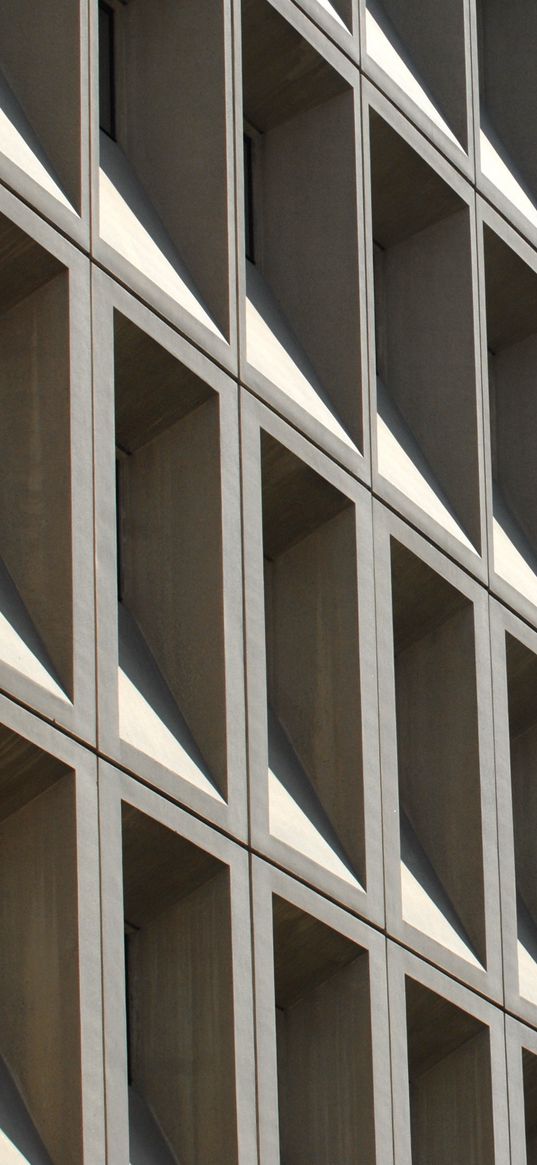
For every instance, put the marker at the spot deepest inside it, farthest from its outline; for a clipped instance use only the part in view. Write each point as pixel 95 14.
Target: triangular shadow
pixel 20 1143
pixel 527 952
pixel 149 718
pixel 147 1145
pixel 296 814
pixel 20 644
pixel 332 12
pixel 385 46
pixel 514 559
pixel 426 906
pixel 19 143
pixel 498 166
pixel 401 461
pixel 274 350
pixel 129 223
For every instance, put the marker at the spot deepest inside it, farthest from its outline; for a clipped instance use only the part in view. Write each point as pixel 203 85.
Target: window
pixel 106 70
pixel 249 197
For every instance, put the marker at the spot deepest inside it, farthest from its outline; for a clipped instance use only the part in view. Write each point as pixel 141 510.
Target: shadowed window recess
pixel 249 221
pixel 107 85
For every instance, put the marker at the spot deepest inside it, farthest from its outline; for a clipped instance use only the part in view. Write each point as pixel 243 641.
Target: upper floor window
pixel 107 112
pixel 249 197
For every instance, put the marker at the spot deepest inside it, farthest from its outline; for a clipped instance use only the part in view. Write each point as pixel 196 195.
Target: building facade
pixel 268 582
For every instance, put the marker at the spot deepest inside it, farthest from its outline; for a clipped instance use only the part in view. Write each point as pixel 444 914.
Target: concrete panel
pixel 406 290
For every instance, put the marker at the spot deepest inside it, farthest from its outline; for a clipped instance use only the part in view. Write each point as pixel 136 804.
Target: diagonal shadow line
pixel 414 857
pixel 14 611
pixel 16 1124
pixel 286 766
pixel 15 116
pixel 127 187
pixel 147 1144
pixel 139 665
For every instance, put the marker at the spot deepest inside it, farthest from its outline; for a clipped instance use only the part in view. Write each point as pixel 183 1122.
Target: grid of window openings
pixel 268 582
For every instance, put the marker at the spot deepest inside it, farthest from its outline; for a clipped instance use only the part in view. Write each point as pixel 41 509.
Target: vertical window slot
pixel 107 112
pixel 249 233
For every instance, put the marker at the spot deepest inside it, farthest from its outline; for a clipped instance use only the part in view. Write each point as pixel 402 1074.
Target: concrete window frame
pixel 505 105
pixel 220 794
pixel 166 229
pixel 448 846
pixel 44 97
pixel 302 306
pixel 47 661
pixel 514 668
pixel 508 304
pixel 51 1005
pixel 424 66
pixel 342 816
pixel 428 399
pixel 521 1051
pixel 336 1032
pixel 339 20
pixel 451 1099
pixel 119 791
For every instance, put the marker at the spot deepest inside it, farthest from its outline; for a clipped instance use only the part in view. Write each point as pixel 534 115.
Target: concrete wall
pixel 267 705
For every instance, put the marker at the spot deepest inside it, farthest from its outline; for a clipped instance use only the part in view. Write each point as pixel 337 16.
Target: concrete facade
pixel 268 583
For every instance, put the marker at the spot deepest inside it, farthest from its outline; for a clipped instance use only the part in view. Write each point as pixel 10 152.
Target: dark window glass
pixel 119 525
pixel 107 117
pixel 128 1008
pixel 249 198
